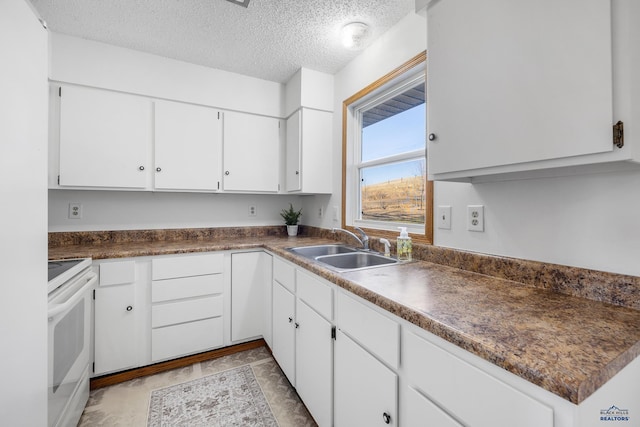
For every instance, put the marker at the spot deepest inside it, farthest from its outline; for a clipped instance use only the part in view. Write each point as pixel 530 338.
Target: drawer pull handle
pixel 387 418
pixel 129 308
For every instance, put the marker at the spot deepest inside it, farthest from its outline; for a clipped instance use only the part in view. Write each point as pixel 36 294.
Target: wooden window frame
pixel 427 237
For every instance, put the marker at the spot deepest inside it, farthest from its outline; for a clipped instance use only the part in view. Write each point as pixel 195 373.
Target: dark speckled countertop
pixel 565 344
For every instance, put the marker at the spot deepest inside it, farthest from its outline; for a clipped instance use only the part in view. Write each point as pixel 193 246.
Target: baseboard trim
pixel 120 377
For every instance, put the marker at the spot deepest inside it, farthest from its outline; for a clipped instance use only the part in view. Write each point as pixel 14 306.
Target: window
pixel 384 164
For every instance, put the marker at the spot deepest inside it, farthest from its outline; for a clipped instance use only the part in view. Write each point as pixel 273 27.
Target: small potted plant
pixel 291 218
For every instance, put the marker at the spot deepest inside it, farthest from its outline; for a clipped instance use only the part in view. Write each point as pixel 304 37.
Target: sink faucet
pixel 364 241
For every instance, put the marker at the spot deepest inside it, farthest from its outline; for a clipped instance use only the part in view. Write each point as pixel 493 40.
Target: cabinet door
pixel 366 391
pixel 116 328
pixel 309 157
pixel 188 147
pixel 105 138
pixel 516 82
pixel 250 275
pixel 251 152
pixel 314 363
pixel 284 333
pixel 294 140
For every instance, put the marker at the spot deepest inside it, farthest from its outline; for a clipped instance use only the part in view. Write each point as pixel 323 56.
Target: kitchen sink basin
pixel 356 260
pixel 320 250
pixel 343 258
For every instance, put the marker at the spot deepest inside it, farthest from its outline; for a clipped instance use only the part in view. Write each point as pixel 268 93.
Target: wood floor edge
pixel 120 377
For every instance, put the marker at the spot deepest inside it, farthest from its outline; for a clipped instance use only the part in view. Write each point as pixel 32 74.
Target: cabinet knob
pixel 129 308
pixel 158 169
pixel 387 418
pixel 226 172
pixel 297 172
pixel 290 319
pixel 432 137
pixel 141 168
pixel 297 325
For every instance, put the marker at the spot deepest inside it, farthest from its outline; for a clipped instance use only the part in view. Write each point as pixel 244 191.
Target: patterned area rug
pixel 229 398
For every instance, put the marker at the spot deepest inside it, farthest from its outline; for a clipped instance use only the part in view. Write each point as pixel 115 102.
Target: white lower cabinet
pixel 367 354
pixel 250 278
pixel 119 317
pixel 302 336
pixel 366 391
pixel 284 333
pixel 187 305
pixel 314 363
pixel 465 392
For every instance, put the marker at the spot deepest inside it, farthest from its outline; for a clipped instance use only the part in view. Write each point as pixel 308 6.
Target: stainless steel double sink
pixel 343 258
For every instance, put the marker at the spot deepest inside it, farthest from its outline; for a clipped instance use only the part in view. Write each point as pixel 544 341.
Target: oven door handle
pixel 60 308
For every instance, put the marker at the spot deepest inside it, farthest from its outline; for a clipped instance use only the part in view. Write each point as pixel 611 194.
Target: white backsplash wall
pixel 133 210
pixel 589 221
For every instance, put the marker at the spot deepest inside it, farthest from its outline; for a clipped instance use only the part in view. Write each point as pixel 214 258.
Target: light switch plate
pixel 444 217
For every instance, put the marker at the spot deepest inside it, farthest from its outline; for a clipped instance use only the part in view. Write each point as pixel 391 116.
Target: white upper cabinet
pixel 105 139
pixel 524 86
pixel 188 147
pixel 309 151
pixel 251 153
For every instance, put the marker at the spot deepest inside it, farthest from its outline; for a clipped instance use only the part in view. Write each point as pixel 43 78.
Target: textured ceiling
pixel 271 39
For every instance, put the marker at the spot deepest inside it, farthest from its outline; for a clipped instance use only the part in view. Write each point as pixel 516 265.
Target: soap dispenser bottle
pixel 404 246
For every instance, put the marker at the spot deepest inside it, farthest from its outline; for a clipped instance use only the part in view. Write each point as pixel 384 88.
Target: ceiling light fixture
pixel 354 35
pixel 243 3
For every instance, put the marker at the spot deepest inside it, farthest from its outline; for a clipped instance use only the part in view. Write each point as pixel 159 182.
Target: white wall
pixel 23 222
pixel 395 47
pixel 588 221
pixel 90 63
pixel 133 210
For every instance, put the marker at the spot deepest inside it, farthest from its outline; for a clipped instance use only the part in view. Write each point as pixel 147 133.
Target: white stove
pixel 70 287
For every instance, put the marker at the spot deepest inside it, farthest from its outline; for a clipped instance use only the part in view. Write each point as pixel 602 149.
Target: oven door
pixel 69 314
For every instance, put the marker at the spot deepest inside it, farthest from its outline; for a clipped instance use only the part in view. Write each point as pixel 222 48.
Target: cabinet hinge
pixel 333 332
pixel 618 134
pixel 60 91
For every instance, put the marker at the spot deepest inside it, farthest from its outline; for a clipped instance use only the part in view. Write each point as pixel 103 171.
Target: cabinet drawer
pixel 285 274
pixel 178 340
pixel 185 266
pixel 465 391
pixel 186 287
pixel 117 273
pixel 379 334
pixel 316 294
pixel 186 311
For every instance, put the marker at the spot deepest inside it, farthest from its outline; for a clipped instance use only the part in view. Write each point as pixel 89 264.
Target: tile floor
pixel 127 404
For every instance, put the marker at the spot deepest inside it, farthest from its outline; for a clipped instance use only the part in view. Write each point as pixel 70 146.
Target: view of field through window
pixel 394 191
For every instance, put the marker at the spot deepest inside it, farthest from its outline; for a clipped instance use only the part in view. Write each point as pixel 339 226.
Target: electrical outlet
pixel 475 218
pixel 444 217
pixel 253 210
pixel 75 211
pixel 320 212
